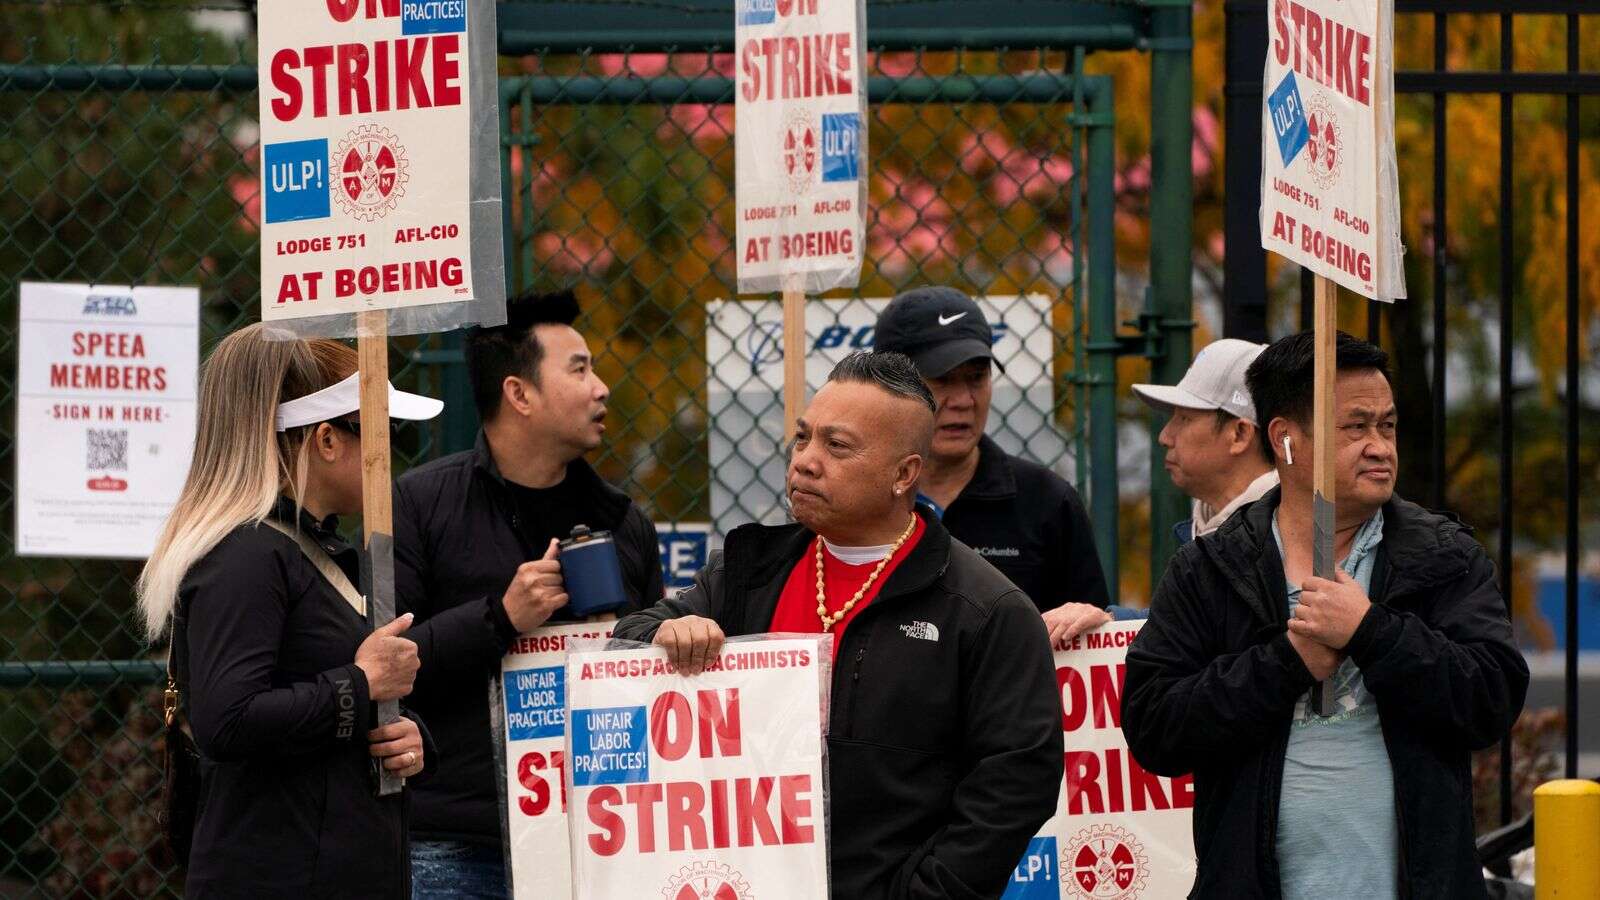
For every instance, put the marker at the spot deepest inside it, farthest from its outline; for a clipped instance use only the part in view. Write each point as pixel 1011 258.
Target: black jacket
pixel 1212 683
pixel 265 658
pixel 458 541
pixel 944 752
pixel 1030 524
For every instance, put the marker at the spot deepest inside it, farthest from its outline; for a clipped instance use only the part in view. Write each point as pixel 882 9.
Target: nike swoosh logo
pixel 945 321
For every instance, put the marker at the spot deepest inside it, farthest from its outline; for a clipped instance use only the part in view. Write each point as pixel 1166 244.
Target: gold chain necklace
pixel 831 619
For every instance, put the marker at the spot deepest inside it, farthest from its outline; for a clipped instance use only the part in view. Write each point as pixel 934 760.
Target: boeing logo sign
pixel 744 354
pixel 763 343
pixel 763 340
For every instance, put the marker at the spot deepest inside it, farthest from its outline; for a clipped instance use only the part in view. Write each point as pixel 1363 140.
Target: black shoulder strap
pixel 171 706
pixel 325 565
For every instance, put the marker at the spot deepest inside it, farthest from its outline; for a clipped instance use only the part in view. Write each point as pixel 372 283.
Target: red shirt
pixel 797 605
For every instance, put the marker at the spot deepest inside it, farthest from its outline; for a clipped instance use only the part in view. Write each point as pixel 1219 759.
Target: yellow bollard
pixel 1566 840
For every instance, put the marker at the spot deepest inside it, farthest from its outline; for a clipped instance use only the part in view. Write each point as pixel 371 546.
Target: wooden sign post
pixel 312 287
pixel 800 166
pixel 377 503
pixel 794 356
pixel 1330 198
pixel 1326 332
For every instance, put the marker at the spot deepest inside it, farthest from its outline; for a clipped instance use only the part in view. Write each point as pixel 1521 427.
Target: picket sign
pixel 800 106
pixel 800 151
pixel 711 786
pixel 1329 177
pixel 532 700
pixel 380 194
pixel 1330 192
pixel 366 158
pixel 1119 831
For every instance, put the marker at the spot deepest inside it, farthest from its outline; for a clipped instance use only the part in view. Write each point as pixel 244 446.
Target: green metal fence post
pixel 1099 120
pixel 1171 239
pixel 1080 307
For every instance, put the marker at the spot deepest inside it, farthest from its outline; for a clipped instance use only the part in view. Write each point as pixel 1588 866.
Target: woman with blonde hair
pixel 277 668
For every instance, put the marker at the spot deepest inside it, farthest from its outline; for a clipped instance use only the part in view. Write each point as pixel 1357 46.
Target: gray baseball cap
pixel 1215 380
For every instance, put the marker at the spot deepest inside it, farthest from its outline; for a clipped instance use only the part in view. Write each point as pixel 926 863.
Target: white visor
pixel 344 398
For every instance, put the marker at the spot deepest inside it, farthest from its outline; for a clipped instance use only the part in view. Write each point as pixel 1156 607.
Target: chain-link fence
pixel 130 156
pixel 630 197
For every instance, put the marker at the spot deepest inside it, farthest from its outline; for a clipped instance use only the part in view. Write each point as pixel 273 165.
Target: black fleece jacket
pixel 1212 683
pixel 265 657
pixel 1030 524
pixel 944 741
pixel 460 534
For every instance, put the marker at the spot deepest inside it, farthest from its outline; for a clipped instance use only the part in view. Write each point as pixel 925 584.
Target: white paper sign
pixel 366 141
pixel 533 678
pixel 691 788
pixel 105 415
pixel 1118 831
pixel 800 128
pixel 744 341
pixel 1329 181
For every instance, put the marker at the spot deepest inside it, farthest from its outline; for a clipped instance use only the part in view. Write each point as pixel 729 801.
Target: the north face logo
pixel 925 631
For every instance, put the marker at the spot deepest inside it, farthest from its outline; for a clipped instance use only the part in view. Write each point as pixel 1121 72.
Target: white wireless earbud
pixel 1288 452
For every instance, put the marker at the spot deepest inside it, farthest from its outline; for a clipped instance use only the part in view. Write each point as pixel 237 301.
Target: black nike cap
pixel 938 327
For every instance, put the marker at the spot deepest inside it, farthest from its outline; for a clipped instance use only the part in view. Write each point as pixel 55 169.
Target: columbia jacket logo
pixel 926 631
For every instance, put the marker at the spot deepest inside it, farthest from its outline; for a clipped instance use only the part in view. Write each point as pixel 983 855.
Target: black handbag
pixel 180 771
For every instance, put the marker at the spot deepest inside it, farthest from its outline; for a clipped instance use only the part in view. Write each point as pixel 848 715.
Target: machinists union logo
pixel 1104 862
pixel 706 881
pixel 1325 147
pixel 372 170
pixel 800 151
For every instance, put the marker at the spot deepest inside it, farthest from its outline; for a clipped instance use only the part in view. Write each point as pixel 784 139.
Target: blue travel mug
pixel 592 573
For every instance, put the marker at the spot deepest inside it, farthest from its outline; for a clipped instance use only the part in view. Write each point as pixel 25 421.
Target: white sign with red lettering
pixel 708 786
pixel 365 155
pixel 105 415
pixel 1329 178
pixel 533 682
pixel 800 129
pixel 1119 831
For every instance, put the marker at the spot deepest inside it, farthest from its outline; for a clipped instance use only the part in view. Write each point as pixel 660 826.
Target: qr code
pixel 108 449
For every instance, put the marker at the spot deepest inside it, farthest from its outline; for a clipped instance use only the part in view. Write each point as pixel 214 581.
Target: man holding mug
pixel 477 539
